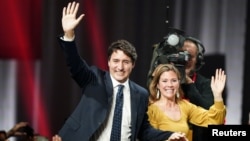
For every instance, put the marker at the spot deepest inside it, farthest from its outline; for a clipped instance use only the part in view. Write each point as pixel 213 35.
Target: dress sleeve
pixel 201 117
pixel 152 112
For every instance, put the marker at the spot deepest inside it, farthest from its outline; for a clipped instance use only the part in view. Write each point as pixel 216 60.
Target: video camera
pixel 169 51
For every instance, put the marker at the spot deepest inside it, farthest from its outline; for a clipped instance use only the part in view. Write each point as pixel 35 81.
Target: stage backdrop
pixel 36 85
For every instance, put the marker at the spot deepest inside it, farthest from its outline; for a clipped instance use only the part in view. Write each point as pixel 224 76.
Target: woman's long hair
pixel 155 80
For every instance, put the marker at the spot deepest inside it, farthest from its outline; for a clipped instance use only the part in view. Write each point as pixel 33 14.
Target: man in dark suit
pixel 93 117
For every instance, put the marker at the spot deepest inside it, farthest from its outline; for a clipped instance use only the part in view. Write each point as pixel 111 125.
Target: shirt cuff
pixel 64 38
pixel 219 105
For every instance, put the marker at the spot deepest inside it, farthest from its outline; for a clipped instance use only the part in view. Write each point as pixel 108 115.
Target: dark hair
pixel 29 133
pixel 3 135
pixel 124 46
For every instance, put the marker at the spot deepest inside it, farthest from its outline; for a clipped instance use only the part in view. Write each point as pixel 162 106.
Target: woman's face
pixel 168 84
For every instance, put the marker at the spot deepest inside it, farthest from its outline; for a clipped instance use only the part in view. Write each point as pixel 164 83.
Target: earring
pixel 177 95
pixel 158 94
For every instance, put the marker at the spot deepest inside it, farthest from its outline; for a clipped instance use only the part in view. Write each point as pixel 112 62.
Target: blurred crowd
pixel 22 131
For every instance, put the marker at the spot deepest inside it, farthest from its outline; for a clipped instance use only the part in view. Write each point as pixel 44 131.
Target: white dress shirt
pixel 126 114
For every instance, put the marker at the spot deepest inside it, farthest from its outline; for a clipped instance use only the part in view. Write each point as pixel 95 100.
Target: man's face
pixel 120 66
pixel 193 51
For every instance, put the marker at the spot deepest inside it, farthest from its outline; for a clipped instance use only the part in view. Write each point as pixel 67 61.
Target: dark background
pixel 29 34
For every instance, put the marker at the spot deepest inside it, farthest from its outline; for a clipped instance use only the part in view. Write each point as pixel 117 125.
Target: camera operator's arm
pixel 199 91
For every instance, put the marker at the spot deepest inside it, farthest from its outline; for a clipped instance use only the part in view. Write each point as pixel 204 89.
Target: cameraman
pixel 197 87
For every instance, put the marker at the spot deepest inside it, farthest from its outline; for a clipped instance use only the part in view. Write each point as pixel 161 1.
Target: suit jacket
pixel 96 100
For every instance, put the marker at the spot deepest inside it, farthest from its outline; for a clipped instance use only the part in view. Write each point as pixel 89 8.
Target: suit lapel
pixel 109 87
pixel 135 100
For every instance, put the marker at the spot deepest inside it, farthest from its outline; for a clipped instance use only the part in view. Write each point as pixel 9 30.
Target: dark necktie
pixel 117 120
